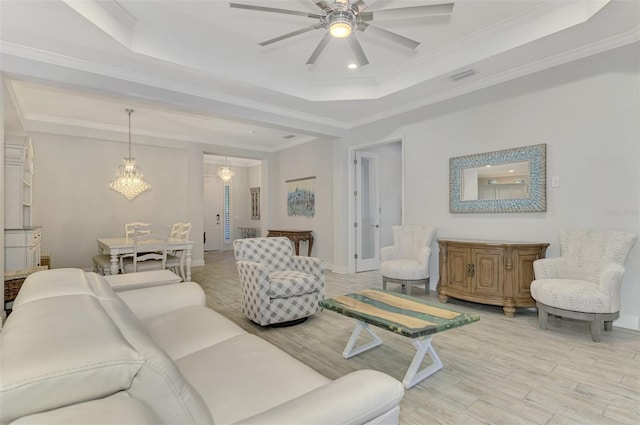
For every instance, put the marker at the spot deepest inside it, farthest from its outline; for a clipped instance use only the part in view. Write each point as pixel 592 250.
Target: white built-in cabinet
pixel 21 239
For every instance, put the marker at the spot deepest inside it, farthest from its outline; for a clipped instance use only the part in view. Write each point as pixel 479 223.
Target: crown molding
pixel 38 55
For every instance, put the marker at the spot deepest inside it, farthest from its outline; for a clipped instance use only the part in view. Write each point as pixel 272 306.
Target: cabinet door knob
pixel 471 270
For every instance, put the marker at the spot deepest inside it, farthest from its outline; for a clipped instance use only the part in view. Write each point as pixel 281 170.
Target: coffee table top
pixel 402 314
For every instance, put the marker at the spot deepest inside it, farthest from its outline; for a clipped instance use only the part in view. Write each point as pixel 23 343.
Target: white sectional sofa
pixel 74 352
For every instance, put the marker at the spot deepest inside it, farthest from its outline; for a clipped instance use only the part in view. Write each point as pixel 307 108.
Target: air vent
pixel 289 136
pixel 461 75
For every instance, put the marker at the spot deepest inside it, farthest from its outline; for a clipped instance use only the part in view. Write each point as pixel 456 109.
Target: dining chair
pixel 149 250
pixel 130 227
pixel 176 228
pixel 175 259
pixel 102 262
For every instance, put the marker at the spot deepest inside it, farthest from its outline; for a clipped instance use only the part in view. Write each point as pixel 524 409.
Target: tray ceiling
pixel 195 71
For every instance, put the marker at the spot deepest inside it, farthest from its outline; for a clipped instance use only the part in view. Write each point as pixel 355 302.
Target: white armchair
pixel 278 288
pixel 407 261
pixel 584 282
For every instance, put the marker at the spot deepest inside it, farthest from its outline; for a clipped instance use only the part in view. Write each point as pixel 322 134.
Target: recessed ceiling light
pixel 488 165
pixel 352 66
pixel 512 171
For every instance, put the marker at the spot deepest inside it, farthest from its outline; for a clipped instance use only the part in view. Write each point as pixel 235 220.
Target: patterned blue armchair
pixel 278 288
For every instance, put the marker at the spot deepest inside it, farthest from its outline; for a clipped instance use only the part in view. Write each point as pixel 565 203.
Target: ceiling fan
pixel 342 17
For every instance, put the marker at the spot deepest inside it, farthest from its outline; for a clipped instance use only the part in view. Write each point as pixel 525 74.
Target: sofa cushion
pixel 291 283
pixel 404 269
pixel 158 382
pixel 78 341
pixel 57 283
pixel 250 376
pixel 190 329
pixel 571 294
pixel 59 351
pixel 117 409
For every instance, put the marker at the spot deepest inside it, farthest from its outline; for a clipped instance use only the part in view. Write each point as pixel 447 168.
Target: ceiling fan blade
pixel 359 5
pixel 357 50
pixel 319 48
pixel 322 4
pixel 275 10
pixel 408 12
pixel 289 35
pixel 391 36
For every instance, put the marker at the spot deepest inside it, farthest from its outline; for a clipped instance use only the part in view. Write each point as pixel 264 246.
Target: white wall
pixel 72 202
pixel 255 180
pixel 586 112
pixel 309 159
pixel 245 178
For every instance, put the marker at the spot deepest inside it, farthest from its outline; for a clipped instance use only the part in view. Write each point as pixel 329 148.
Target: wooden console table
pixel 489 272
pixel 295 236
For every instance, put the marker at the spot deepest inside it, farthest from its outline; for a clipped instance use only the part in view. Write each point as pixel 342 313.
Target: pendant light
pixel 224 172
pixel 129 180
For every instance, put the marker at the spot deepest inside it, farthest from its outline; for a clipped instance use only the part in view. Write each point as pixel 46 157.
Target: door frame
pixel 361 263
pixel 216 181
pixel 351 184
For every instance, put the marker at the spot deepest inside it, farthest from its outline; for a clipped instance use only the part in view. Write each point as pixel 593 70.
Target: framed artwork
pixel 255 203
pixel 301 198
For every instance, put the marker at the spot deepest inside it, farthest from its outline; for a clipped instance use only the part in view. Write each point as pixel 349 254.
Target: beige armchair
pixel 278 288
pixel 407 261
pixel 584 282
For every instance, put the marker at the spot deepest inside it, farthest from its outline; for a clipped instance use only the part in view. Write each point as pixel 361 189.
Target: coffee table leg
pixel 423 347
pixel 350 351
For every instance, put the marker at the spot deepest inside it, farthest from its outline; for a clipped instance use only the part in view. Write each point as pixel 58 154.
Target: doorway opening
pixel 377 185
pixel 228 210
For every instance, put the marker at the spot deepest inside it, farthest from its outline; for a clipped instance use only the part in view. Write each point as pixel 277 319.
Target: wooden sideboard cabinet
pixel 488 272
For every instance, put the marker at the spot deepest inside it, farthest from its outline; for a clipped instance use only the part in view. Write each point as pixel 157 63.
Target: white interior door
pixel 367 203
pixel 212 214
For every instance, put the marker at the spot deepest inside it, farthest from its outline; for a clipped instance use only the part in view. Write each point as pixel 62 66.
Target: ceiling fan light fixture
pixel 340 30
pixel 341 24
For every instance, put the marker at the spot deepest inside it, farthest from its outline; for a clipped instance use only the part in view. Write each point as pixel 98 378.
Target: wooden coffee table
pixel 408 316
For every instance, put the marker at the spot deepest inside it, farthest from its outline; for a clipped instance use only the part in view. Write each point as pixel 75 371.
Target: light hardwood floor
pixel 496 371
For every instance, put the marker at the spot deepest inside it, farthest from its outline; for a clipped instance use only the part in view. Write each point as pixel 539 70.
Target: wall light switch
pixel 555 181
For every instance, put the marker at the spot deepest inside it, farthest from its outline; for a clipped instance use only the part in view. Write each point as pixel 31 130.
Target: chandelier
pixel 224 172
pixel 129 180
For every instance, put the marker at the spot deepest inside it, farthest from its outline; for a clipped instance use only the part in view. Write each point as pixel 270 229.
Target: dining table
pixel 121 245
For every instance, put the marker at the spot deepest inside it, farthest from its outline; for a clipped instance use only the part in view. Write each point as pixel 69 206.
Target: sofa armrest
pixel 550 268
pixel 611 282
pixel 423 258
pixel 311 265
pixel 149 302
pixel 355 398
pixel 253 274
pixel 389 253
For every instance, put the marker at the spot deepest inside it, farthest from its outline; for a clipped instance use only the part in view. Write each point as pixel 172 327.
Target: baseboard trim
pixel 341 270
pixel 628 321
